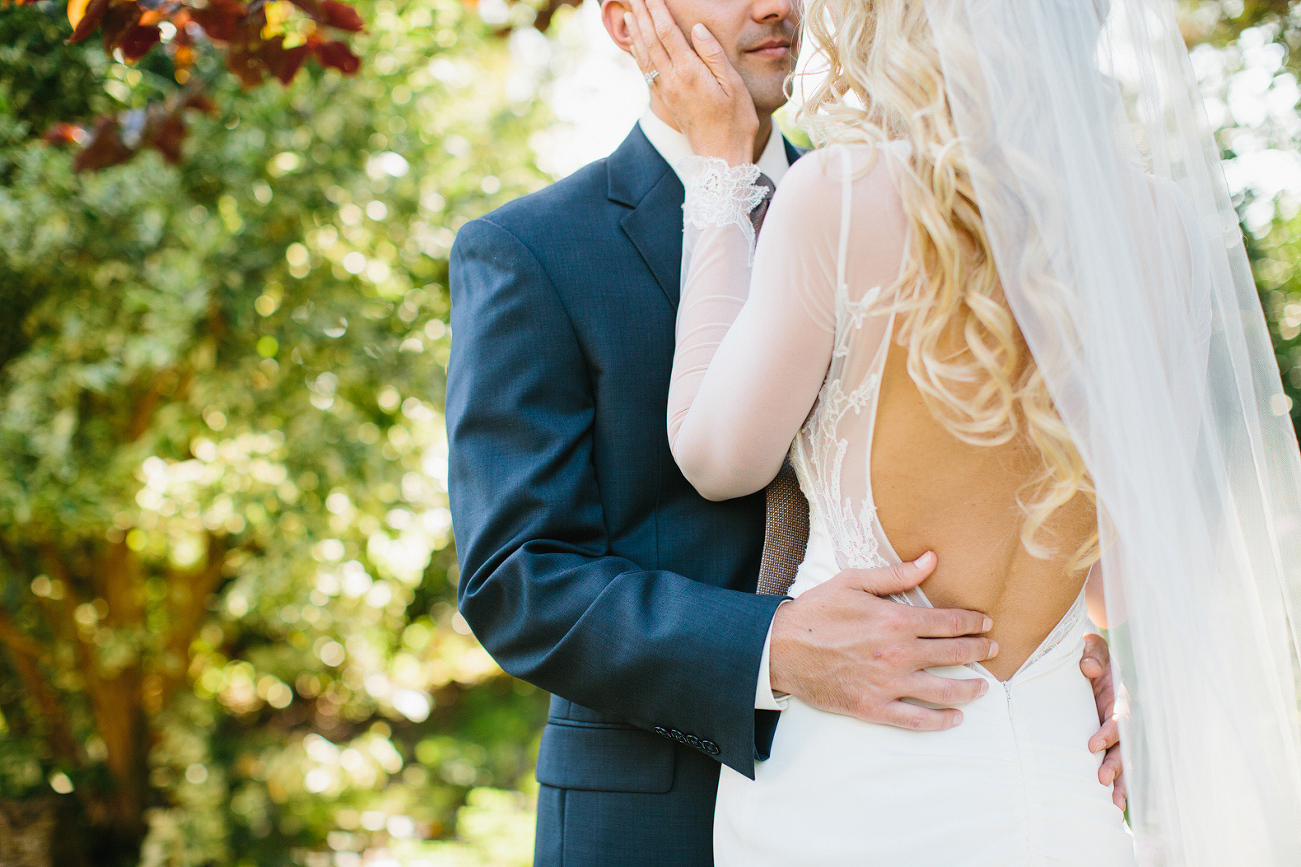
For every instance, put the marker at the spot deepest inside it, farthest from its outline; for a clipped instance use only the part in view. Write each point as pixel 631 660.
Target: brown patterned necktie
pixel 786 526
pixel 785 534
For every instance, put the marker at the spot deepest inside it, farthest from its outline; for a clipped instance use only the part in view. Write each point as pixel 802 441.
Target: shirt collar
pixel 673 146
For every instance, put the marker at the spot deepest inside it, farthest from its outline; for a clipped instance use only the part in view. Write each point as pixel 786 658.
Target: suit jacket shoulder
pixel 534 215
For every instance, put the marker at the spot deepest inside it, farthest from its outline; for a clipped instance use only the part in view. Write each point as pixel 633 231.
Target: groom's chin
pixel 765 79
pixel 769 93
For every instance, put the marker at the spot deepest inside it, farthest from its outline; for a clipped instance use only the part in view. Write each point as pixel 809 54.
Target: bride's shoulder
pixel 819 179
pixel 809 208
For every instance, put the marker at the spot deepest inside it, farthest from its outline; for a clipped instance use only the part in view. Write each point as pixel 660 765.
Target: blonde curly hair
pixel 883 81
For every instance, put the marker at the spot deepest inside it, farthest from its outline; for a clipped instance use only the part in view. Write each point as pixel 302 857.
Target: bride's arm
pixel 753 344
pixel 1094 598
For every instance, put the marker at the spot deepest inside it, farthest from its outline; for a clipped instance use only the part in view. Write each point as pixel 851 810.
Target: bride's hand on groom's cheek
pixel 695 82
pixel 842 647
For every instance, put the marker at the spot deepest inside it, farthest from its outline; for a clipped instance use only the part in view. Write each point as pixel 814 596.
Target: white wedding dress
pixel 1014 783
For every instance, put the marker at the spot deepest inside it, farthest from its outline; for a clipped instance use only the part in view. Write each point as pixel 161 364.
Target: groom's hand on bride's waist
pixel 1095 664
pixel 844 648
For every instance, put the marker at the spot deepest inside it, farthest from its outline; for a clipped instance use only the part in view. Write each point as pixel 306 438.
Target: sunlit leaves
pixel 236 362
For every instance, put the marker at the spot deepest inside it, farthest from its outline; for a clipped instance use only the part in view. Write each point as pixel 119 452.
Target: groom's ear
pixel 612 12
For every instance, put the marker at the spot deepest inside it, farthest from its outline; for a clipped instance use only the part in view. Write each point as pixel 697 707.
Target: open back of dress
pixel 1015 782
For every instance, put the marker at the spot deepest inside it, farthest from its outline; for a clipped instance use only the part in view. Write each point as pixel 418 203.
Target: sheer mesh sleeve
pixel 754 343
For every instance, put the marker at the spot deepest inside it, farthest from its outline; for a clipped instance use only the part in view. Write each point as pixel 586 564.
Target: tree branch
pixel 26 654
pixel 11 556
pixel 189 607
pixel 16 640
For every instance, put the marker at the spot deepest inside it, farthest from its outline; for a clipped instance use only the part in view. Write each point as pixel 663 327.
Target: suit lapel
pixel 642 180
pixel 655 229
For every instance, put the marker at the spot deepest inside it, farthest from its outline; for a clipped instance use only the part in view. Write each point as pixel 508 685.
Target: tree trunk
pixel 41 832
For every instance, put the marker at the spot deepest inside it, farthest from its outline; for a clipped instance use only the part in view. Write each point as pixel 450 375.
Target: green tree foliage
pixel 227 629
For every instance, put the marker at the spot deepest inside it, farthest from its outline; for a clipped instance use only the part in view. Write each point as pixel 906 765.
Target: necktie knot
pixel 761 210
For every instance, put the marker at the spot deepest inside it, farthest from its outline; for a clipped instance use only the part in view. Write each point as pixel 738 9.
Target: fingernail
pixel 627 18
pixel 925 560
pixel 984 688
pixel 987 625
pixel 957 717
pixel 700 31
pixel 993 650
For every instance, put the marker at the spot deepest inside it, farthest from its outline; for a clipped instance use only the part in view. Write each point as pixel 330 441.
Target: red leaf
pixel 220 19
pixel 138 41
pixel 282 62
pixel 64 133
pixel 341 15
pixel 105 148
pixel 168 136
pixel 202 102
pixel 118 20
pixel 244 63
pixel 292 62
pixel 309 7
pixel 337 55
pixel 88 20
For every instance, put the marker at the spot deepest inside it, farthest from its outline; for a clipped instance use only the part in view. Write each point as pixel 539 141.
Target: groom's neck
pixel 760 139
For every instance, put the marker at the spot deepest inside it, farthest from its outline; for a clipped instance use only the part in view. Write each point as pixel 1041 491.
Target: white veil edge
pixel 1117 244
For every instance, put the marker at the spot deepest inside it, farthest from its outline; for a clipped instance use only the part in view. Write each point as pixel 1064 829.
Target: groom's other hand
pixel 843 648
pixel 1095 664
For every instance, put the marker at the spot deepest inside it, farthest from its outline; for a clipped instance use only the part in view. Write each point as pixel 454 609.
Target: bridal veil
pixel 1118 248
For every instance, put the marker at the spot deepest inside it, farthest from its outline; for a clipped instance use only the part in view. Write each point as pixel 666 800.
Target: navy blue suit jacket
pixel 589 565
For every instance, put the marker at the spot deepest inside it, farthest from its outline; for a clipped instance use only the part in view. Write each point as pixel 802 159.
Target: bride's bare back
pixel 935 492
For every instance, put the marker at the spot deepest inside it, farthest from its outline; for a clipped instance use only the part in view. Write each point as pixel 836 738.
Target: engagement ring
pixel 651 76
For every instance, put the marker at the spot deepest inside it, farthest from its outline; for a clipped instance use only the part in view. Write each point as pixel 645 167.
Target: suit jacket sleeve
pixel 538 585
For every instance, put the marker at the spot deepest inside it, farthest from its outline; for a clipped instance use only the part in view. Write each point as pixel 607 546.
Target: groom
pixel 589 566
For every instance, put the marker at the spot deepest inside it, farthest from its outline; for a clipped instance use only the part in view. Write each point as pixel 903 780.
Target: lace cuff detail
pixel 720 195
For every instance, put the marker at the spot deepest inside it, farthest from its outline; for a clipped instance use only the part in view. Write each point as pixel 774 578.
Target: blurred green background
pixel 227 582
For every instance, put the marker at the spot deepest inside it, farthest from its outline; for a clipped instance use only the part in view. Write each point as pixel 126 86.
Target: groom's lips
pixel 774 48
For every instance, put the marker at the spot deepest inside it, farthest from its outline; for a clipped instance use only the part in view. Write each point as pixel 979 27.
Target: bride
pixel 1004 316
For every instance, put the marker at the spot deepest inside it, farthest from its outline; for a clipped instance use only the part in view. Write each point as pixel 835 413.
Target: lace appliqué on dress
pixel 818 454
pixel 720 195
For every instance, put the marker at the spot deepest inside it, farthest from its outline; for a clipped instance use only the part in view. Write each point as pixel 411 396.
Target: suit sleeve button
pixel 693 741
pixel 678 736
pixel 710 747
pixel 661 731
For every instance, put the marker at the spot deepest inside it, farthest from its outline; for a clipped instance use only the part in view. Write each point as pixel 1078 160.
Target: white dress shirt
pixel 674 147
